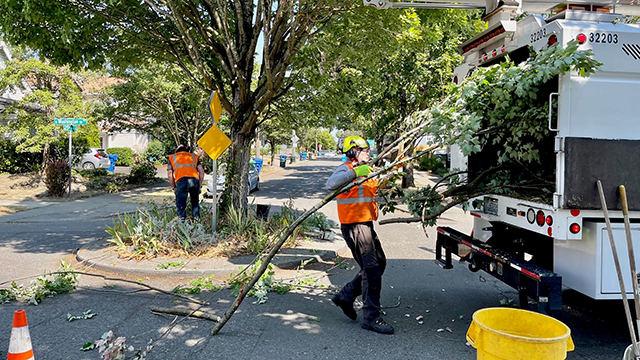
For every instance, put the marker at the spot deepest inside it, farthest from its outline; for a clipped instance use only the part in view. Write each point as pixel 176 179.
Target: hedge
pixel 13 162
pixel 125 155
pixel 156 150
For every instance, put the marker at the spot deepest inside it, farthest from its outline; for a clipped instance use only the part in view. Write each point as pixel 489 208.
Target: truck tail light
pixel 575 212
pixel 531 216
pixel 549 220
pixel 540 218
pixel 574 228
pixel 455 80
pixel 582 38
pixel 552 40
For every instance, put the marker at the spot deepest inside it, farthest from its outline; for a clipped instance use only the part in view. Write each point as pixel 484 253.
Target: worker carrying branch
pixel 357 210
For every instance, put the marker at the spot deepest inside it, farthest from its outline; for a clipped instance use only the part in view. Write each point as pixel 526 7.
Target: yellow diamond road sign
pixel 214 142
pixel 215 107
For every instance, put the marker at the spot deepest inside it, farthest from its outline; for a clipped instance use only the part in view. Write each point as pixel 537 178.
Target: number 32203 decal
pixel 603 38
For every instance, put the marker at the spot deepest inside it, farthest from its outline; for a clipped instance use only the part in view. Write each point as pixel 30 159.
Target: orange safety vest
pixel 358 204
pixel 184 164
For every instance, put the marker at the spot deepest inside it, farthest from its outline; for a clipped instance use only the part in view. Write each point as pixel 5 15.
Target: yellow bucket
pixel 514 334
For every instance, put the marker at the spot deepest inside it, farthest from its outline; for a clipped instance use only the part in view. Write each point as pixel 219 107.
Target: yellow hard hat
pixel 352 141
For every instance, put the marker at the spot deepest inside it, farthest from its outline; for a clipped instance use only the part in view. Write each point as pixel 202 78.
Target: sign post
pixel 214 142
pixel 70 163
pixel 70 126
pixel 294 140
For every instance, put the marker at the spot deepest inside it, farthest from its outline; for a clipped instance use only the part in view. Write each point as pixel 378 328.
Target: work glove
pixel 363 170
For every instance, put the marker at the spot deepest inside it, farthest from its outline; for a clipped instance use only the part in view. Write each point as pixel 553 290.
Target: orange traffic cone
pixel 20 342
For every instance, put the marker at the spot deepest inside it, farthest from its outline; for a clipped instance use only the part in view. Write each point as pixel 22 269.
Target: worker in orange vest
pixel 357 210
pixel 185 176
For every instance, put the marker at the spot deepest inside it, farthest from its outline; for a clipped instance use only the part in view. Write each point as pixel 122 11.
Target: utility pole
pixel 258 144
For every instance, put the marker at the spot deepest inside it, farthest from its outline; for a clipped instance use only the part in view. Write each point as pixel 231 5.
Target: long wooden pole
pixel 632 257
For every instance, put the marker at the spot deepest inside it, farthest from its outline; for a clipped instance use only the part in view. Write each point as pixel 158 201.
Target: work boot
pixel 378 325
pixel 347 307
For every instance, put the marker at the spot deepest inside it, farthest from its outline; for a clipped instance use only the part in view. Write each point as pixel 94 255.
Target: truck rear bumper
pixel 530 280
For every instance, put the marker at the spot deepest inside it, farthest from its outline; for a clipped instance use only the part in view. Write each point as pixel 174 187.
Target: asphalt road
pixel 298 324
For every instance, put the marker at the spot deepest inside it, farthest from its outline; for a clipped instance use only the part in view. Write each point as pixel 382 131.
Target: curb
pixel 99 255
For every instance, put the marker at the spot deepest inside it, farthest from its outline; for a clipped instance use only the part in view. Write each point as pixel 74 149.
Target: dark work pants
pixel 367 251
pixel 188 186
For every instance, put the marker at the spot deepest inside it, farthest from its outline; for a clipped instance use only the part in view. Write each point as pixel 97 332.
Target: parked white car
pixel 95 158
pixel 253 178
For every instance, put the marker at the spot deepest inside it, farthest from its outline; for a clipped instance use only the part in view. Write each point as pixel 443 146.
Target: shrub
pixel 56 177
pixel 156 153
pixel 14 162
pixel 112 188
pixel 430 163
pixel 143 173
pixel 93 173
pixel 125 155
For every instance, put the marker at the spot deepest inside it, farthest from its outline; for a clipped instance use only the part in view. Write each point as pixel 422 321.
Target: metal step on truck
pixel 539 247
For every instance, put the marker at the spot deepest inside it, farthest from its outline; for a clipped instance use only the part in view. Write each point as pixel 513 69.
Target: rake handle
pixel 623 200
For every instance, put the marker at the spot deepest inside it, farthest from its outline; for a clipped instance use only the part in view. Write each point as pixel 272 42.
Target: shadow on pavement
pixel 301 323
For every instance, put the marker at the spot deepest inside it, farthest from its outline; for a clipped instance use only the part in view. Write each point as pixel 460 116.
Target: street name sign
pixel 215 108
pixel 70 121
pixel 214 142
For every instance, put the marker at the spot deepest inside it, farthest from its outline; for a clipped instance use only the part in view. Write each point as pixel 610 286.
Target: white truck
pixel 537 248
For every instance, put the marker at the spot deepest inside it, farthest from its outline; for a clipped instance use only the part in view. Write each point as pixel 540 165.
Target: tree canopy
pixel 156 98
pixel 213 42
pixel 371 69
pixel 54 92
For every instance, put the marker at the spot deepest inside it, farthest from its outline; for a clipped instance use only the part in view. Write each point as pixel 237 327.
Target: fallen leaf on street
pixel 85 315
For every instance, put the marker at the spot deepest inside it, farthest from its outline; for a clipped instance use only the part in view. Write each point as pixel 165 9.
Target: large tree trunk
pixel 407 179
pixel 45 157
pixel 238 171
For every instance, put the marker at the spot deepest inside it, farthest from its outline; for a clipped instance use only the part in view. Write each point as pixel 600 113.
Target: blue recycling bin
pixel 303 156
pixel 112 159
pixel 283 160
pixel 259 163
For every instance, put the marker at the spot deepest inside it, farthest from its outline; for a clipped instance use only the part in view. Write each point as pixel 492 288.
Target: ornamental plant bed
pixel 156 231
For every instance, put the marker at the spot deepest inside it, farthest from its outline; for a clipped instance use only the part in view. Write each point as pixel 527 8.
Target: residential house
pixel 9 96
pixel 109 138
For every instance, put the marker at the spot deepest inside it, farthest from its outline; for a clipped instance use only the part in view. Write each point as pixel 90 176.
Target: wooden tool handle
pixel 623 200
